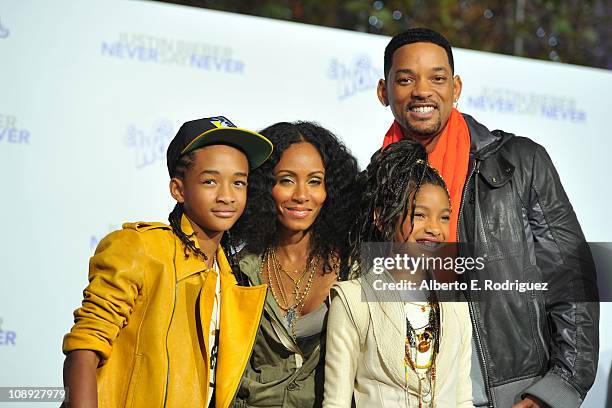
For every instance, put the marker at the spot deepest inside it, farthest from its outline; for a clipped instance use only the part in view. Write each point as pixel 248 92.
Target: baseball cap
pixel 217 130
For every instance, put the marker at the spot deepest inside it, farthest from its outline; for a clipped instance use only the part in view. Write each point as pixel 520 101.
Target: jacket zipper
pixel 167 333
pixel 467 183
pixel 481 359
pixel 540 335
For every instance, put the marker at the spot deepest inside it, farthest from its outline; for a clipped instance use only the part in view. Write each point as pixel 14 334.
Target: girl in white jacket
pixel 397 353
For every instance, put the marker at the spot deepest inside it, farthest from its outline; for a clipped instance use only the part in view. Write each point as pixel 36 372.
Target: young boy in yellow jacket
pixel 163 321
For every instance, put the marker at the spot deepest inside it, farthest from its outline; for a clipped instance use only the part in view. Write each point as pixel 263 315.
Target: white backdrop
pixel 92 91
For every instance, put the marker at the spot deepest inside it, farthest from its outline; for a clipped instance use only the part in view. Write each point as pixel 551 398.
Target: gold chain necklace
pixel 278 265
pixel 273 268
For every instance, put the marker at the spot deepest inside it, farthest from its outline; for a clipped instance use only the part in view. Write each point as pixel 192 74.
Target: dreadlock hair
pixel 389 187
pixel 184 163
pixel 415 35
pixel 258 228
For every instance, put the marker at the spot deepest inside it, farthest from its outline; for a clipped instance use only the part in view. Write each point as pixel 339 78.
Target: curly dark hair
pixel 388 189
pixel 258 226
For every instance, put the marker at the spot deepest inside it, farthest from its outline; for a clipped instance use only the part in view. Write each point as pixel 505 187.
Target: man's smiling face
pixel 420 89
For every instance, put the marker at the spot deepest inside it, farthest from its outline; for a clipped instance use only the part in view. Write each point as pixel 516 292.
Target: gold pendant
pixel 424 346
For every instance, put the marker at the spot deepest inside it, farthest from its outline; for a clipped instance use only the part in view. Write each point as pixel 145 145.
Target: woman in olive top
pixel 295 232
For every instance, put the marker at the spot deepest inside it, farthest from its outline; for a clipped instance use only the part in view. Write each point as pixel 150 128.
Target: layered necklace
pixel 421 348
pixel 291 307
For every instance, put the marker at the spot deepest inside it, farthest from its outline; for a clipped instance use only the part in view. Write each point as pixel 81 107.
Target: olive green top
pixel 280 373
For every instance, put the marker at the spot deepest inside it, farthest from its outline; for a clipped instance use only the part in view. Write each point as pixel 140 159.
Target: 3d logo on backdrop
pixel 7 337
pixel 149 144
pixel 4 32
pixel 358 76
pixel 10 132
pixel 511 101
pixel 170 51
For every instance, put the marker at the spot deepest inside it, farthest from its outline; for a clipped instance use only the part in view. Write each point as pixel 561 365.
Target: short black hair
pixel 416 35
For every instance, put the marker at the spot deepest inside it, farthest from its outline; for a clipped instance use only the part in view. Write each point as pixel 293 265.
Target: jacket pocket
pixel 134 381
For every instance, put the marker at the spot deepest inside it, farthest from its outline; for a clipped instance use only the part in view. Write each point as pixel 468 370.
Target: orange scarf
pixel 450 157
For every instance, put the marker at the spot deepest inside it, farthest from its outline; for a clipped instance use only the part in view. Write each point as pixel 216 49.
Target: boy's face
pixel 431 222
pixel 214 190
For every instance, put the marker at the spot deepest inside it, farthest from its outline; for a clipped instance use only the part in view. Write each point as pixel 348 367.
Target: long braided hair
pixel 229 245
pixel 389 187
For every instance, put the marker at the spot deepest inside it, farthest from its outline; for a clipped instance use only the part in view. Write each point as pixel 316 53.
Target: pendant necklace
pixel 274 269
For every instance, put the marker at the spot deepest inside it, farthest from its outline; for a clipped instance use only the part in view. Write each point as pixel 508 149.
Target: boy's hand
pixel 80 379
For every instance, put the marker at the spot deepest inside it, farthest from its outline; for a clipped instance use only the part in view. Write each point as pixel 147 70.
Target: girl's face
pixel 299 191
pixel 431 217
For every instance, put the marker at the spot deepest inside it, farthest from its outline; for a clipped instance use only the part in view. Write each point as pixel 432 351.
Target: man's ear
pixel 457 85
pixel 176 190
pixel 381 91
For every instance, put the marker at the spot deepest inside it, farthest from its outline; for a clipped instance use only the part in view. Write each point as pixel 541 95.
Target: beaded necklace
pixel 423 343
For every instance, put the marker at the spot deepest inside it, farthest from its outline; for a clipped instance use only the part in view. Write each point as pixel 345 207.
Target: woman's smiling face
pixel 299 190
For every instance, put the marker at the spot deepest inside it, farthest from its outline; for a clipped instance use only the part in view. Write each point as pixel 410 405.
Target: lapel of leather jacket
pixel 189 266
pixel 255 274
pixel 272 308
pixel 240 315
pixel 241 310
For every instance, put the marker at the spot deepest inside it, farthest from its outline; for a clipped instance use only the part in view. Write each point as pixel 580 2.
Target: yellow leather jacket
pixel 128 311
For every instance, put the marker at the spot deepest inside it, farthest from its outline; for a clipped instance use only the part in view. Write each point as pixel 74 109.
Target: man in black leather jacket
pixel 532 348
